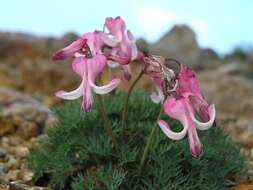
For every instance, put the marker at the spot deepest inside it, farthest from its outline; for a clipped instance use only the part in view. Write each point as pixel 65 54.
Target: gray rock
pixel 17 185
pixel 23 114
pixel 180 43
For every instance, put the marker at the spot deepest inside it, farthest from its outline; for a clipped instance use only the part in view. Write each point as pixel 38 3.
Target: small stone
pixel 28 130
pixel 40 117
pixel 27 175
pixel 4 179
pixel 6 126
pixel 17 185
pixel 15 140
pixel 12 162
pixel 4 187
pixel 3 153
pixel 22 152
pixel 5 140
pixel 3 168
pixel 13 175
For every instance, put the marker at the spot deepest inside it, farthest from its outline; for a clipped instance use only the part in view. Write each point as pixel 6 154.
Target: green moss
pixel 78 154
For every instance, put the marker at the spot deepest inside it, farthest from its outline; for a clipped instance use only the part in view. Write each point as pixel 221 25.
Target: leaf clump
pixel 78 153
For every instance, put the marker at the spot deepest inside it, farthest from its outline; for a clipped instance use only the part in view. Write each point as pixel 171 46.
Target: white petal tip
pixel 206 125
pixel 106 88
pixel 173 135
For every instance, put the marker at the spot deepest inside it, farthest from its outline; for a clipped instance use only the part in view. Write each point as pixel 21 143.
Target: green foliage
pixel 239 53
pixel 78 153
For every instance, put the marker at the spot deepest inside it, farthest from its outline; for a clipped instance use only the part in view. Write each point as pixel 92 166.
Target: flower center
pixel 85 50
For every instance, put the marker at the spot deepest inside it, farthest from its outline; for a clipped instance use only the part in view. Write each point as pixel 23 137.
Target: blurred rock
pixel 13 163
pixel 17 185
pixel 181 43
pixel 233 97
pixel 208 58
pixel 236 68
pixel 142 45
pixel 26 65
pixel 23 114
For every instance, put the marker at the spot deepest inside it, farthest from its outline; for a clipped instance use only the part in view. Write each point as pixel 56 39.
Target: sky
pixel 219 24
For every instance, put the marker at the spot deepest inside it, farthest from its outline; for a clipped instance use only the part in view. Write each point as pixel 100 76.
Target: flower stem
pixel 107 122
pixel 125 110
pixel 149 142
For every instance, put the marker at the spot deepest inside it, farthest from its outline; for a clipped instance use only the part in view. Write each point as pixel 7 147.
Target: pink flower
pixel 71 49
pixel 188 106
pixel 88 64
pixel 161 76
pixel 122 43
pixel 182 110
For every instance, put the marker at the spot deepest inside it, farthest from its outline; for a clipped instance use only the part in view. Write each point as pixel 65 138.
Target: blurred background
pixel 214 37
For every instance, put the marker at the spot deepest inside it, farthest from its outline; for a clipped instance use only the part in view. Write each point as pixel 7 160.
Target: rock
pixel 24 119
pixel 4 187
pixel 233 96
pixel 26 65
pixel 142 45
pixel 208 58
pixel 180 43
pixel 12 162
pixel 22 152
pixel 27 176
pixel 13 175
pixel 245 186
pixel 17 185
pixel 4 179
pixel 23 113
pixel 236 68
pixel 3 153
pixel 28 130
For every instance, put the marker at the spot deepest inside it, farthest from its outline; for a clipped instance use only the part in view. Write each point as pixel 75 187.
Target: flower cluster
pixel 178 90
pixel 92 52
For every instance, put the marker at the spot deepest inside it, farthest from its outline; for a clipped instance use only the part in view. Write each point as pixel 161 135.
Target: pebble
pixel 12 162
pixel 3 152
pixel 13 175
pixel 22 152
pixel 27 175
pixel 17 185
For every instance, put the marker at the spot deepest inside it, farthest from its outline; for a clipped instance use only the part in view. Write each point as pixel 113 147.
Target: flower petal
pixel 87 98
pixel 134 49
pixel 96 65
pixel 130 36
pixel 106 88
pixel 113 64
pixel 134 52
pixel 110 40
pixel 127 71
pixel 79 65
pixel 70 50
pixel 208 124
pixel 188 82
pixel 121 59
pixel 116 26
pixel 77 93
pixel 157 95
pixel 169 133
pixel 176 109
pixel 195 145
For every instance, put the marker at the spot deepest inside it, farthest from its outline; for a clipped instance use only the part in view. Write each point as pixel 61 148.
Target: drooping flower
pixel 122 43
pixel 162 77
pixel 88 63
pixel 184 101
pixel 69 51
pixel 182 110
